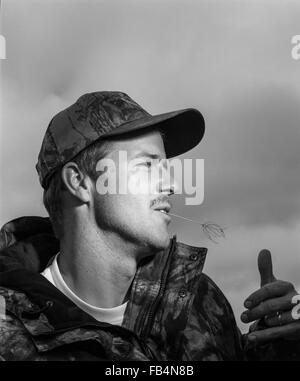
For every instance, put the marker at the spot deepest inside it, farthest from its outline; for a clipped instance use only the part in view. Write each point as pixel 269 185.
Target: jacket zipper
pixel 155 303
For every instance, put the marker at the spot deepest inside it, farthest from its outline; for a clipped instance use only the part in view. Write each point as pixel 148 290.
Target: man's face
pixel 140 215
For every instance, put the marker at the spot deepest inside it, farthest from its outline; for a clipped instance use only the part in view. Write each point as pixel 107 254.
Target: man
pixel 112 285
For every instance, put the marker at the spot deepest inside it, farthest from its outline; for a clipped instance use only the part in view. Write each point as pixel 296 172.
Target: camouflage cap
pixel 102 114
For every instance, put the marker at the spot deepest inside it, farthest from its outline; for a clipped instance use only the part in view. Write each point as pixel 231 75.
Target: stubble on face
pixel 136 219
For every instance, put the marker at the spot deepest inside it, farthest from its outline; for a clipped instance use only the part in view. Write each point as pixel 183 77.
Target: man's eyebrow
pixel 147 154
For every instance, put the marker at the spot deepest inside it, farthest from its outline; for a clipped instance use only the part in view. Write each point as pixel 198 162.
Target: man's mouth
pixel 163 208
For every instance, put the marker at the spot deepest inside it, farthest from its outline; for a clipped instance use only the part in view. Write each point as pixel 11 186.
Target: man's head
pixel 138 214
pixel 99 126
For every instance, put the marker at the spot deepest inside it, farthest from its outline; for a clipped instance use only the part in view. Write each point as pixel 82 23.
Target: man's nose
pixel 167 182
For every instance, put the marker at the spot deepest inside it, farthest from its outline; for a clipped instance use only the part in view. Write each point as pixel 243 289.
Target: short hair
pixel 86 161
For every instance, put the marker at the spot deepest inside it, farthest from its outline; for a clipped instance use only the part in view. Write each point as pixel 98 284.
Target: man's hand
pixel 272 305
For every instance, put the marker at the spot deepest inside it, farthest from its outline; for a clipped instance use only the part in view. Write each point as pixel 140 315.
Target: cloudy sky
pixel 230 59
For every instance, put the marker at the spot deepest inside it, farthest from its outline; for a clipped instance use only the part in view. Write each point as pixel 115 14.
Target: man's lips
pixel 164 208
pixel 162 205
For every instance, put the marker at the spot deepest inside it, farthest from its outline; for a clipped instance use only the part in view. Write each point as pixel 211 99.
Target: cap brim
pixel 182 129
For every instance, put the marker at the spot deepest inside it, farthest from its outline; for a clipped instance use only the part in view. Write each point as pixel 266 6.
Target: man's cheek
pixel 107 180
pixel 139 183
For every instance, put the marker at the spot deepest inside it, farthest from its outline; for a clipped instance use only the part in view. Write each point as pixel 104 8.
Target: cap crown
pixel 91 117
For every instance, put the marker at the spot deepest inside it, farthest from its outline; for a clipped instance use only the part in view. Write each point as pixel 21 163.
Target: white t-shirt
pixel 108 315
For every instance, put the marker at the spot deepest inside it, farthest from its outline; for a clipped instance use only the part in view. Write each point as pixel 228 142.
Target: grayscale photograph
pixel 149 183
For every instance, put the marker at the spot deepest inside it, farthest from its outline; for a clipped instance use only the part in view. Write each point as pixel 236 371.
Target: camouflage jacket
pixel 175 311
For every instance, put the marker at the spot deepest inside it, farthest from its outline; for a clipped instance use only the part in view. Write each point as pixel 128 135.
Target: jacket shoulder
pixel 214 290
pixel 15 341
pixel 214 300
pixel 14 301
pixel 213 306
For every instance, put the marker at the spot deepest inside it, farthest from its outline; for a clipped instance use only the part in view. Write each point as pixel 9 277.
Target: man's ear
pixel 76 182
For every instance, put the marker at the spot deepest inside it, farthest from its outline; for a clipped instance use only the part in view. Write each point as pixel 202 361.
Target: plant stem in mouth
pixel 210 229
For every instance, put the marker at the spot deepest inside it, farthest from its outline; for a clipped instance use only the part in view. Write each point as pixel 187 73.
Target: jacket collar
pixel 177 268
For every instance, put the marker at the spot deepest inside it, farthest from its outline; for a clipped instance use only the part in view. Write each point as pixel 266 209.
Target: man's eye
pixel 147 164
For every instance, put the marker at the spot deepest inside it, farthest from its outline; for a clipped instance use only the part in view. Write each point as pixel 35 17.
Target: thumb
pixel 265 267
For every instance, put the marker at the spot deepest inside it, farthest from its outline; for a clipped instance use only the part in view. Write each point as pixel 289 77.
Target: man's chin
pixel 161 244
pixel 153 247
